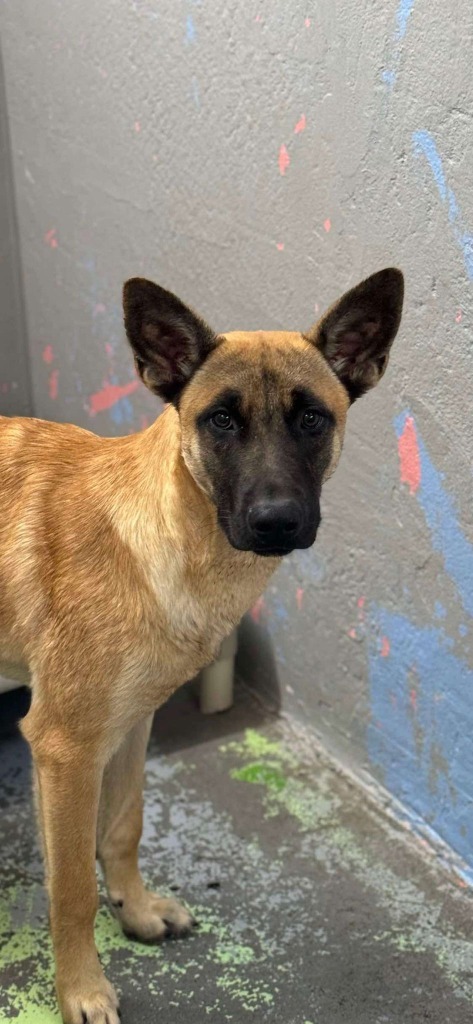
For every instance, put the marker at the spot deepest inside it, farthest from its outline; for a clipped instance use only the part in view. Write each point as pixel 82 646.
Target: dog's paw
pixel 93 1002
pixel 152 918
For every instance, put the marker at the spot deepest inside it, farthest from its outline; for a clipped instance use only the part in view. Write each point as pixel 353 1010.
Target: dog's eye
pixel 222 420
pixel 311 419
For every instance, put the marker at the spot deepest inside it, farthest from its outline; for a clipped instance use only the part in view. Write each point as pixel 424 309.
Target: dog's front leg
pixel 142 914
pixel 69 777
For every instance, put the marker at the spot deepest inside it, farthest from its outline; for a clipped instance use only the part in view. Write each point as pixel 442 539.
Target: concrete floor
pixel 313 909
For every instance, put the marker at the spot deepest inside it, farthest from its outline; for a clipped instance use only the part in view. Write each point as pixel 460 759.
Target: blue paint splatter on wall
pixel 424 146
pixel 443 521
pixel 421 724
pixel 402 17
pixel 389 77
pixel 190 29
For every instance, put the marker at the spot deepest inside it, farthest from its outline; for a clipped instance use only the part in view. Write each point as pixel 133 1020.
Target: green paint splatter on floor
pixel 256 745
pixel 268 775
pixel 415 921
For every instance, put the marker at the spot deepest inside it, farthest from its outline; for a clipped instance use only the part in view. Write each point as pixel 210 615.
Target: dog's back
pixel 39 462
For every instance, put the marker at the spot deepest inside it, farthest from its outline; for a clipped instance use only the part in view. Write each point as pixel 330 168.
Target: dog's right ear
pixel 169 341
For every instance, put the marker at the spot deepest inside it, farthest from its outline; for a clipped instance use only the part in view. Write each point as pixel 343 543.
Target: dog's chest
pixel 197 611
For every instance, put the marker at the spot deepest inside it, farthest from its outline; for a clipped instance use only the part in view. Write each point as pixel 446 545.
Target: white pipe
pixel 216 681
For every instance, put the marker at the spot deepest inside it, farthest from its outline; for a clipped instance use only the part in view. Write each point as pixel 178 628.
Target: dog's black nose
pixel 275 523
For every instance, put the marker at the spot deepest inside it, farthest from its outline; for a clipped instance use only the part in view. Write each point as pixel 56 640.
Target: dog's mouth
pixel 271 552
pixel 245 543
pixel 277 540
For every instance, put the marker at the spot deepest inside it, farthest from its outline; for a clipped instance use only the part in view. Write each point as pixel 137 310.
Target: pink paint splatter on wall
pixel 280 246
pixel 137 126
pixel 283 159
pixel 257 609
pixel 409 457
pixel 48 354
pixel 385 647
pixel 53 383
pixel 299 597
pixel 301 125
pixel 459 317
pixel 413 700
pixel 307 22
pixel 50 238
pixel 327 225
pixel 109 394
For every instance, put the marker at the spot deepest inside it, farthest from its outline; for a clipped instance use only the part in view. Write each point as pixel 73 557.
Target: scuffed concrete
pixel 313 909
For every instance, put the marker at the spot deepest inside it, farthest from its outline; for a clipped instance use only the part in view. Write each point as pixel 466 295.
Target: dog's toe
pixel 92 1004
pixel 152 918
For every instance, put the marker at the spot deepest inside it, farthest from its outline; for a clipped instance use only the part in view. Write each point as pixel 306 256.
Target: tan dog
pixel 124 562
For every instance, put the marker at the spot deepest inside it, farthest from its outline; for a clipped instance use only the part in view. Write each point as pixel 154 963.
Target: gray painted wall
pixel 15 398
pixel 258 159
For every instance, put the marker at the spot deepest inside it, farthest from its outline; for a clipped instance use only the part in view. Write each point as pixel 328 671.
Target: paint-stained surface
pixel 259 160
pixel 15 396
pixel 311 908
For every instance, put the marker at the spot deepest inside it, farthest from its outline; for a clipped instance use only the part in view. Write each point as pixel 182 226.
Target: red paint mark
pixel 137 126
pixel 300 126
pixel 361 602
pixel 385 647
pixel 280 246
pixel 109 394
pixel 327 225
pixel 258 17
pixel 458 318
pixel 98 308
pixel 352 633
pixel 413 700
pixel 283 159
pixel 257 609
pixel 50 238
pixel 299 597
pixel 108 348
pixel 307 22
pixel 409 457
pixel 53 383
pixel 48 354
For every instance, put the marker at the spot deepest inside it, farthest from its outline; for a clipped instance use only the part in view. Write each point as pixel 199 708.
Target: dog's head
pixel 263 413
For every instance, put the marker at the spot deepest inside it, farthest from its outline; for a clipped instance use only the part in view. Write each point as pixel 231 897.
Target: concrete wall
pixel 259 158
pixel 15 398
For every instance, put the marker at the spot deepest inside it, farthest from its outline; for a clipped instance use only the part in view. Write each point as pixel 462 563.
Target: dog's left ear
pixel 356 334
pixel 169 341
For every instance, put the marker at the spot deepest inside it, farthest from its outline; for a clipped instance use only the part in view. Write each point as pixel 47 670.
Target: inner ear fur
pixel 356 333
pixel 169 341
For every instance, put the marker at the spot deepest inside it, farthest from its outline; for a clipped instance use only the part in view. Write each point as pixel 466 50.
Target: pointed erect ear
pixel 169 341
pixel 356 334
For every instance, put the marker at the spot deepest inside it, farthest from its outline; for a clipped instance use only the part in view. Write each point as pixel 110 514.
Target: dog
pixel 125 561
